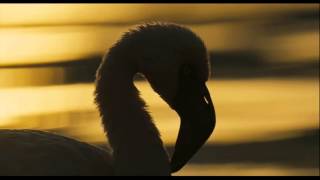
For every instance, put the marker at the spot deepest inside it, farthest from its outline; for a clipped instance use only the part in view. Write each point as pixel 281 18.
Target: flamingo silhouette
pixel 175 62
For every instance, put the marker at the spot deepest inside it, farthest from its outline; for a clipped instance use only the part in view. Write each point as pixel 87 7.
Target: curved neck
pixel 137 147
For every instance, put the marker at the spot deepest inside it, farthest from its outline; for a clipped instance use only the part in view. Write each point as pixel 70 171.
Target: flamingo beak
pixel 197 120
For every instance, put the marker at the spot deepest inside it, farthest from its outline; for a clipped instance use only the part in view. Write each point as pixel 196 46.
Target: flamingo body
pixel 31 152
pixel 174 61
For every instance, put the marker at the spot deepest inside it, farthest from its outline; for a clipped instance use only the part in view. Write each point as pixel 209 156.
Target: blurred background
pixel 265 79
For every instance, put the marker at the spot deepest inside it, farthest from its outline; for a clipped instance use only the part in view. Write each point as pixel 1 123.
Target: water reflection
pixel 59 109
pixel 265 79
pixel 41 107
pixel 30 45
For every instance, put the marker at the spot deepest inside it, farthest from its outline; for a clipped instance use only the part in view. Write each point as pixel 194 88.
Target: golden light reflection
pixel 30 100
pixel 45 45
pixel 296 47
pixel 236 123
pixel 72 39
pixel 22 14
pixel 249 110
pixel 12 77
pixel 249 169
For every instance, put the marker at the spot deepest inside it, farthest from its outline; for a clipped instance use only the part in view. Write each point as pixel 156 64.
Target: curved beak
pixel 197 120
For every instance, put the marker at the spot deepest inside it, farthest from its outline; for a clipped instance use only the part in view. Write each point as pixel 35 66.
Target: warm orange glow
pixel 237 123
pixel 249 169
pixel 43 45
pixel 272 96
pixel 297 47
pixel 17 14
pixel 61 43
pixel 23 14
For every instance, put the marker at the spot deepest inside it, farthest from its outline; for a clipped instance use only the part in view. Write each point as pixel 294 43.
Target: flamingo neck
pixel 136 143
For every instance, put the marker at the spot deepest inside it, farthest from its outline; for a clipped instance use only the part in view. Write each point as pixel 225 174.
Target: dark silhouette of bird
pixel 174 60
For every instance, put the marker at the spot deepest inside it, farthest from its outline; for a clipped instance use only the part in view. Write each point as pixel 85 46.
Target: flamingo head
pixel 175 62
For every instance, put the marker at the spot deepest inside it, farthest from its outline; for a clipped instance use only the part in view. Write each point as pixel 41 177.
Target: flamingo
pixel 174 60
